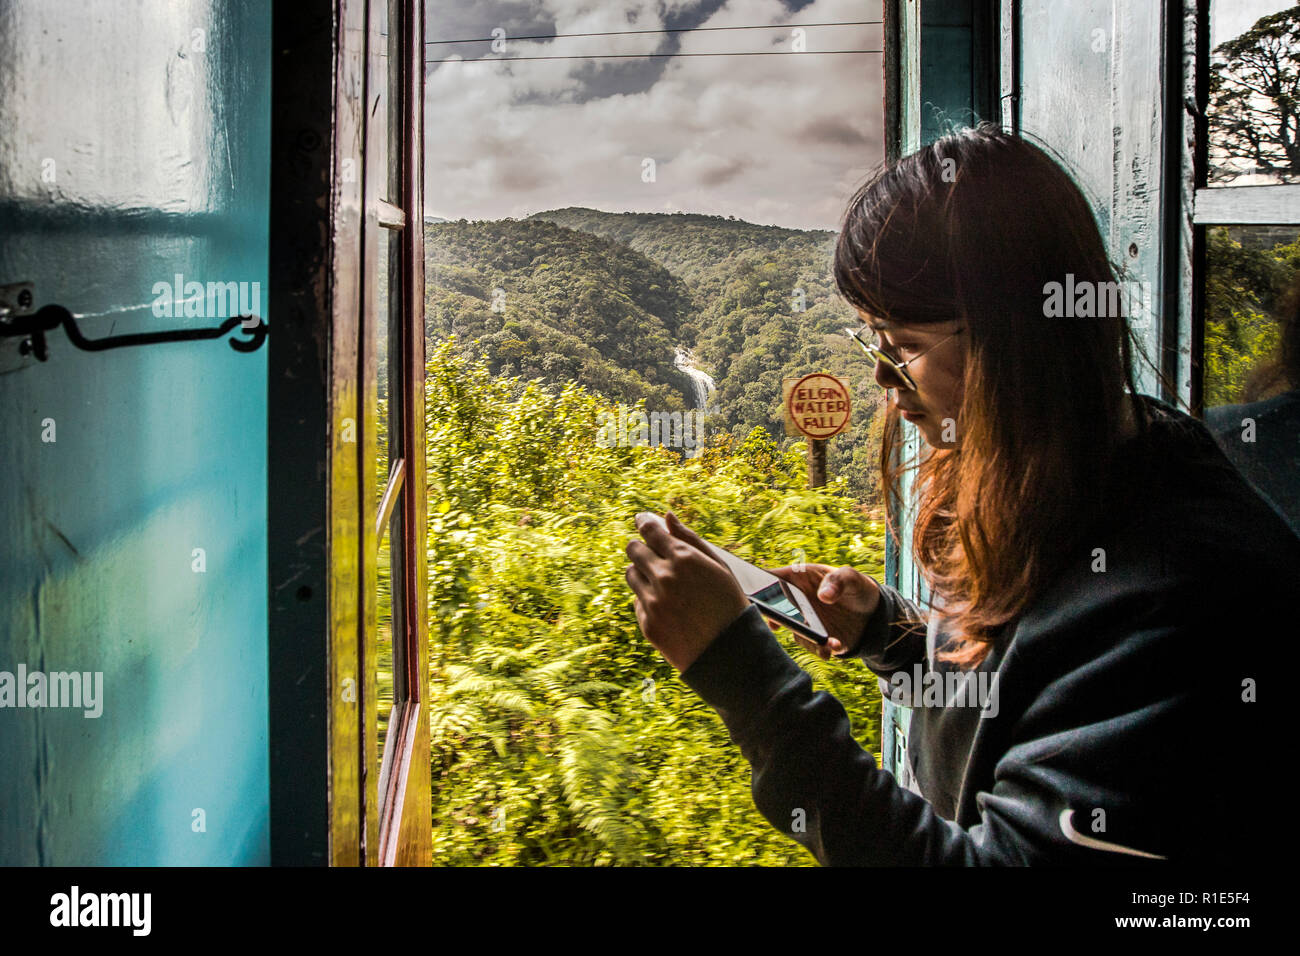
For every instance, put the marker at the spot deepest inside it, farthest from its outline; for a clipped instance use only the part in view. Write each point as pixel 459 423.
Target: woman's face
pixel 935 357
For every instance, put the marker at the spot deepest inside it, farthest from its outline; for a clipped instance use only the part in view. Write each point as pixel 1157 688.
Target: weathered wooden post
pixel 816 462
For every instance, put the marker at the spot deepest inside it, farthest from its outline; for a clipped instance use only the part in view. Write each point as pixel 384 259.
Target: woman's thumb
pixel 832 585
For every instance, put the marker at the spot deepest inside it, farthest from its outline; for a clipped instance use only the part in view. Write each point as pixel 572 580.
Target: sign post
pixel 817 407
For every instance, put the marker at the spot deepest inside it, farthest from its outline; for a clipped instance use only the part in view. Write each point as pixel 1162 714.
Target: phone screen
pixel 778 598
pixel 782 601
pixel 774 595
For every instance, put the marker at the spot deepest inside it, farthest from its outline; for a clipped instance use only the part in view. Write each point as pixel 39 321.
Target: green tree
pixel 1243 291
pixel 1254 113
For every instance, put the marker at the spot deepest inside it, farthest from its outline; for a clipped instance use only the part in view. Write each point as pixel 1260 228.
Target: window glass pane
pixel 1252 355
pixel 384 643
pixel 1254 129
pixel 386 292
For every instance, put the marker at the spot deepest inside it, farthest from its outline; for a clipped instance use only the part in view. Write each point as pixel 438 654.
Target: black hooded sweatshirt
pixel 1116 721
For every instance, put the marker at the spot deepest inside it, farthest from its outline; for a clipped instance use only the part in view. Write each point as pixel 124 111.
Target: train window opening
pixel 628 237
pixel 619 277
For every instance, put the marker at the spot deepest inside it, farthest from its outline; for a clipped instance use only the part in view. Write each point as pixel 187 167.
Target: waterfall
pixel 702 384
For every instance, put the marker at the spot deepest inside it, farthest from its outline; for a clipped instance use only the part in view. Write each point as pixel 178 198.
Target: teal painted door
pixel 1092 90
pixel 134 150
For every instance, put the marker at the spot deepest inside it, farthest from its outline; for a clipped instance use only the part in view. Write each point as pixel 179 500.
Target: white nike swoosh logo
pixel 1074 836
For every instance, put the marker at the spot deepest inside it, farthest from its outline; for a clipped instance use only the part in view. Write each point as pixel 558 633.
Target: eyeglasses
pixel 876 354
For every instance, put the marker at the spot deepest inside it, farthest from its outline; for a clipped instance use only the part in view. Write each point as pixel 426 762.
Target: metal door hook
pixel 33 328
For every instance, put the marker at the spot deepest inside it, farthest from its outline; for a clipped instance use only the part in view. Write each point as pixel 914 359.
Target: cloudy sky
pixel 779 139
pixel 1232 18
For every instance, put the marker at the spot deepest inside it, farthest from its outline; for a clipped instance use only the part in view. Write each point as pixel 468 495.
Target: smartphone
pixel 777 599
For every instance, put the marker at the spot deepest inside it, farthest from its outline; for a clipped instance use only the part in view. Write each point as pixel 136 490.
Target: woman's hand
pixel 684 598
pixel 843 598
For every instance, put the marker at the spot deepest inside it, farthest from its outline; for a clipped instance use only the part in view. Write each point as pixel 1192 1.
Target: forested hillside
pixel 603 299
pixel 546 302
pixel 688 244
pixel 764 309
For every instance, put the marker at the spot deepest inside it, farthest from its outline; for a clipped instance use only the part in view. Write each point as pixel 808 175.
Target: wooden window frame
pixel 1204 205
pixel 401 811
pixel 326 807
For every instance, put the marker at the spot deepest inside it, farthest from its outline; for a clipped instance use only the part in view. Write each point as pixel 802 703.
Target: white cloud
pixel 779 139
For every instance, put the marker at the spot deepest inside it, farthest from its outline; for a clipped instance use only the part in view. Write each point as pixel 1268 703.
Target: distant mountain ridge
pixel 543 301
pixel 685 243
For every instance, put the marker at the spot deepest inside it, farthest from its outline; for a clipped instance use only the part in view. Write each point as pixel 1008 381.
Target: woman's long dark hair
pixel 975 227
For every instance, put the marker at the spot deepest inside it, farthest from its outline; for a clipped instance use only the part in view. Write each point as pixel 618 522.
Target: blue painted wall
pixel 947 48
pixel 135 146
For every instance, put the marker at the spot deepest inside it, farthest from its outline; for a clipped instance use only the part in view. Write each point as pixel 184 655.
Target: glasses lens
pixel 876 356
pixel 894 370
pixel 897 374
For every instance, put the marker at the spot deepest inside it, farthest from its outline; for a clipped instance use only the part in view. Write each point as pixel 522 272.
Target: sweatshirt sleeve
pixel 812 781
pixel 894 638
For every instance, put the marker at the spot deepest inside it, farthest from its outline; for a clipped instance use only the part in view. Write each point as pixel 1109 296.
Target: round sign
pixel 819 405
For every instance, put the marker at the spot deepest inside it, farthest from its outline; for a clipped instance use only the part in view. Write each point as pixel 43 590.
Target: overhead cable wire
pixel 615 33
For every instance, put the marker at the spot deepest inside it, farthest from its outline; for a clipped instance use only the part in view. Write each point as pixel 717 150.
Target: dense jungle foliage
pixel 559 734
pixel 1245 290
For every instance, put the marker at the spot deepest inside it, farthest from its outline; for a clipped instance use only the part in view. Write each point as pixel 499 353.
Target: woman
pixel 1107 579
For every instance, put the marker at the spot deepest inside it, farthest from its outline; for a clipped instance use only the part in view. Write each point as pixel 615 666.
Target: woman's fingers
pixel 652 528
pixel 680 530
pixel 645 560
pixel 637 581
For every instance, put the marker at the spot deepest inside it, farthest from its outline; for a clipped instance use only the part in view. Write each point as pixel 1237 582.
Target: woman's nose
pixel 886 377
